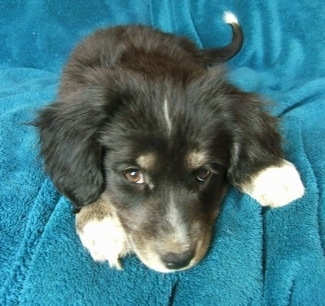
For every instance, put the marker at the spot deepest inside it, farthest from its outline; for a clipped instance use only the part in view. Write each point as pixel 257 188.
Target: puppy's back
pixel 143 49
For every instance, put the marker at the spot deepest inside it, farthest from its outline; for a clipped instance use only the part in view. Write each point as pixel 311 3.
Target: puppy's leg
pixel 101 232
pixel 275 186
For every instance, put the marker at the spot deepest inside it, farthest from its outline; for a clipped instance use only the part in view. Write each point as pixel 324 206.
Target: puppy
pixel 146 135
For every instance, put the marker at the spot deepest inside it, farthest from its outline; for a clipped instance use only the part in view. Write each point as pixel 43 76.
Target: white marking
pixel 276 186
pixel 230 18
pixel 105 240
pixel 180 235
pixel 167 116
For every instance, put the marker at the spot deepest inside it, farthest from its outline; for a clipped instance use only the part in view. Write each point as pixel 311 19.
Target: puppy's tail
pixel 217 55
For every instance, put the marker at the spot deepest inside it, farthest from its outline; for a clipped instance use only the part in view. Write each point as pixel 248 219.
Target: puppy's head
pixel 165 170
pixel 161 152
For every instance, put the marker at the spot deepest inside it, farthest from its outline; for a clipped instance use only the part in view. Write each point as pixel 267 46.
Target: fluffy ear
pixel 257 166
pixel 69 145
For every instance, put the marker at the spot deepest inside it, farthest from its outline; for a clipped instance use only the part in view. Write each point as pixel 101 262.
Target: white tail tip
pixel 230 18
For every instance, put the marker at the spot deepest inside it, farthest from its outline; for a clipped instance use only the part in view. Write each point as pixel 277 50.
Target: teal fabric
pixel 257 256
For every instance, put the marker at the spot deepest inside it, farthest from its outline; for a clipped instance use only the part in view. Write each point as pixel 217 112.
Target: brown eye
pixel 202 174
pixel 134 176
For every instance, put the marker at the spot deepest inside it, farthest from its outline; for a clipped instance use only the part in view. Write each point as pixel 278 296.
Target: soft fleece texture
pixel 257 256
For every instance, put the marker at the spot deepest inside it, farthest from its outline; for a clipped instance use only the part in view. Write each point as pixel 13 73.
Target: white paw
pixel 105 240
pixel 276 186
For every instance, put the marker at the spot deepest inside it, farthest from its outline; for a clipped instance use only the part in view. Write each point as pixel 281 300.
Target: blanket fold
pixel 257 256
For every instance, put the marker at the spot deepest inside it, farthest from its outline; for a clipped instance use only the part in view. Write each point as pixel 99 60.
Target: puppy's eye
pixel 134 176
pixel 202 174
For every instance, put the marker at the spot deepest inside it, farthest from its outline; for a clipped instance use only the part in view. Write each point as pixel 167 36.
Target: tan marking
pixel 96 211
pixel 196 159
pixel 147 161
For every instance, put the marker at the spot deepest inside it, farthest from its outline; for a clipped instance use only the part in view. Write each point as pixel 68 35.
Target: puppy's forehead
pixel 196 159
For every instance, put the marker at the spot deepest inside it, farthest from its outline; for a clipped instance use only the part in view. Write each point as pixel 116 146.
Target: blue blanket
pixel 257 256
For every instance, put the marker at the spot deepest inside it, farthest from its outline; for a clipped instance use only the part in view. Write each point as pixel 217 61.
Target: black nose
pixel 175 261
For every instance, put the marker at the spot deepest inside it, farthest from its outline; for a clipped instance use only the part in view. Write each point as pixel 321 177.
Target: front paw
pixel 102 234
pixel 276 186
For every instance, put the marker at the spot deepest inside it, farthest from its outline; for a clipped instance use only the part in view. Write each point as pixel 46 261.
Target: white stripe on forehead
pixel 167 116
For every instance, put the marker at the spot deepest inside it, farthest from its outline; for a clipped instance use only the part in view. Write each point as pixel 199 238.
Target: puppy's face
pixel 165 172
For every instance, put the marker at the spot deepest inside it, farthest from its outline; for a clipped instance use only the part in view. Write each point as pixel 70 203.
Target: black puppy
pixel 144 138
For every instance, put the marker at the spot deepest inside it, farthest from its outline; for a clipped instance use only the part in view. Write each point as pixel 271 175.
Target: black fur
pixel 109 110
